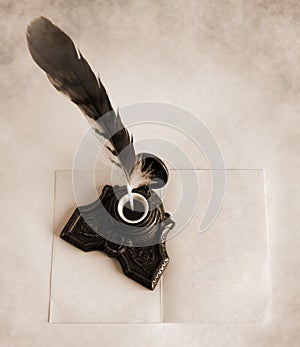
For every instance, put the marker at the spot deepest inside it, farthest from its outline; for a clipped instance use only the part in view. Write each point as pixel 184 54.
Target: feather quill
pixel 68 71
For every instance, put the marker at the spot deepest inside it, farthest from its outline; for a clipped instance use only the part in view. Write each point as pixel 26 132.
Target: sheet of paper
pixel 220 275
pixel 90 287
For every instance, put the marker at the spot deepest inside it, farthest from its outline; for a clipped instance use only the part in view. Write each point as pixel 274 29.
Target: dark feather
pixel 68 71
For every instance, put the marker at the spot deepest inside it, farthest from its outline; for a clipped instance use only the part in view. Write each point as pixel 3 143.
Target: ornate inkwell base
pixel 135 238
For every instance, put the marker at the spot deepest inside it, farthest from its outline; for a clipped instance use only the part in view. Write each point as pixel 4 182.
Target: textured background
pixel 232 63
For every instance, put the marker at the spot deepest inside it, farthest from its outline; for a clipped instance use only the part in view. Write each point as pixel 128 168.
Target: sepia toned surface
pixel 233 64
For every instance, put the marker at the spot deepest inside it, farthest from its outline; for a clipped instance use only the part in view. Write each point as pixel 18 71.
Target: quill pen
pixel 68 71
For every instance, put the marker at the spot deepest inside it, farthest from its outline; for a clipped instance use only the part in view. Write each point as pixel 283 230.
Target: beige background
pixel 234 64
